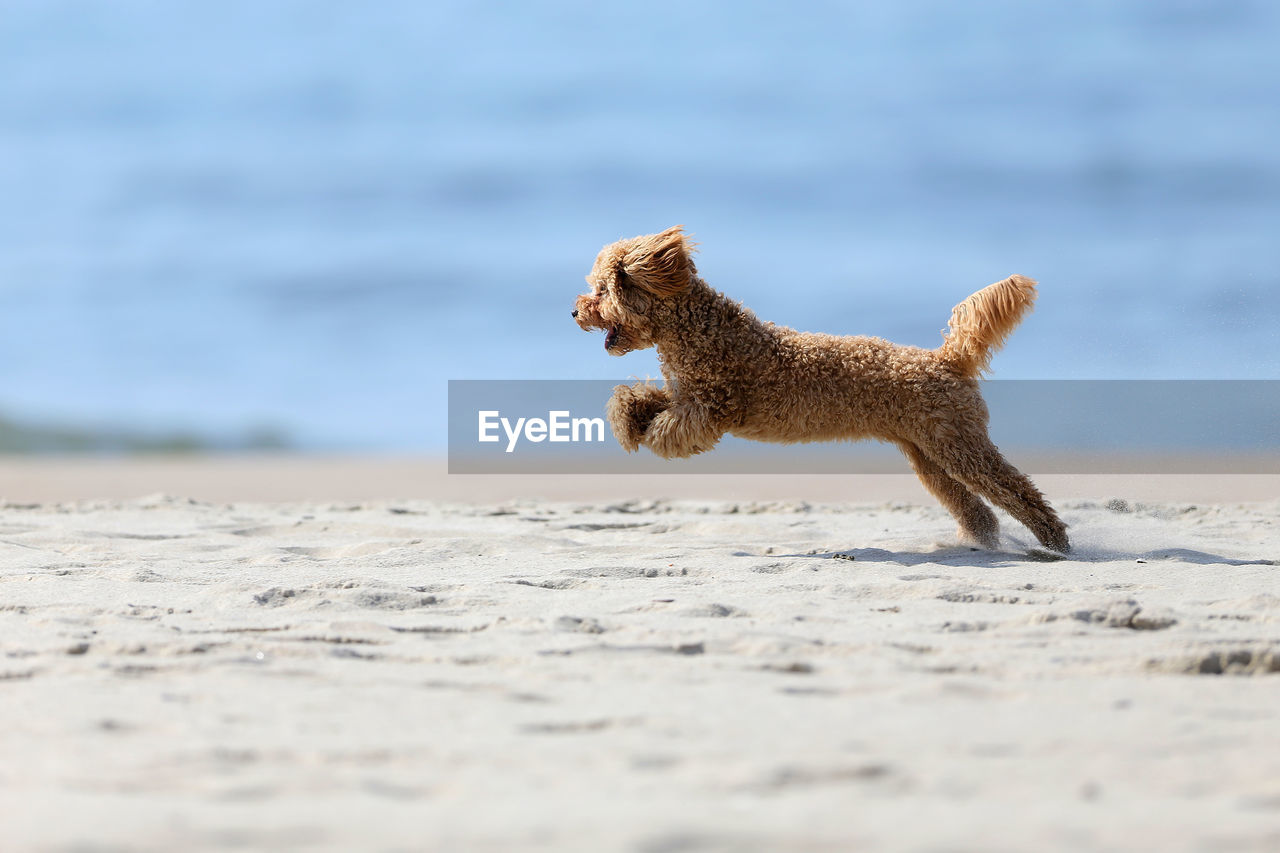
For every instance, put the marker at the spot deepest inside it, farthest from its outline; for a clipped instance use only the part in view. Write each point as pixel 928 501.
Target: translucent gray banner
pixel 1042 426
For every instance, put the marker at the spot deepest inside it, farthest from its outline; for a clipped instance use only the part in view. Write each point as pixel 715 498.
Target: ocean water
pixel 224 218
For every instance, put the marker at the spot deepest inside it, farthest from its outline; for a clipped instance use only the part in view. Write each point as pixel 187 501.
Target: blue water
pixel 218 216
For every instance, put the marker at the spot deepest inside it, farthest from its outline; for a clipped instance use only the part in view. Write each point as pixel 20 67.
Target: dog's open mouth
pixel 611 336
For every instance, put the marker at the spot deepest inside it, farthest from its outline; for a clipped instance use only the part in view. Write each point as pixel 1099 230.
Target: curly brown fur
pixel 728 372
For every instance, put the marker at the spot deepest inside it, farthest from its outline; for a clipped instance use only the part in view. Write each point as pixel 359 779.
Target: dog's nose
pixel 575 313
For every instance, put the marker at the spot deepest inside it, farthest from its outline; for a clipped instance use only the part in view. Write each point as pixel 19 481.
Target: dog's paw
pixel 986 538
pixel 679 433
pixel 631 410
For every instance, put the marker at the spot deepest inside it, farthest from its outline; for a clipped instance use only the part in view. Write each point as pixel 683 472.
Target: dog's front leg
pixel 632 409
pixel 680 431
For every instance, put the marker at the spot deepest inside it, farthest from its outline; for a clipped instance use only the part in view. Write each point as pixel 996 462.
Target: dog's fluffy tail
pixel 981 324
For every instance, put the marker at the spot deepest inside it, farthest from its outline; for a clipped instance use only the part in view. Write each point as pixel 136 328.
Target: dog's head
pixel 630 282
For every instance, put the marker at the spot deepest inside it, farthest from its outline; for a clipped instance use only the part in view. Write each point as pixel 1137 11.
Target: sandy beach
pixel 189 671
pixel 316 533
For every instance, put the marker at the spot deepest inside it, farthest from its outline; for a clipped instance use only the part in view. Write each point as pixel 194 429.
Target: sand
pixel 733 672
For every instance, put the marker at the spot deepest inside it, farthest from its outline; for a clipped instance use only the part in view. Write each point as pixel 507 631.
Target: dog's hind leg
pixel 977 522
pixel 978 464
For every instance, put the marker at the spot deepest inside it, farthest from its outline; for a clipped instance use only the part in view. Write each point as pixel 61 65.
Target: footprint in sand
pixel 343 552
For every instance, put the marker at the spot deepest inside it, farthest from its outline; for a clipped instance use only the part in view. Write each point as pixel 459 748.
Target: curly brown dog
pixel 728 372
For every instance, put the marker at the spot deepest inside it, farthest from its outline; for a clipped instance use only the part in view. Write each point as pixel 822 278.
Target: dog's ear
pixel 660 263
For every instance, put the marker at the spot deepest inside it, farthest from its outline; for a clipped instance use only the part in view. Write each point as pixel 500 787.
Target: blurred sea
pixel 300 219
